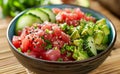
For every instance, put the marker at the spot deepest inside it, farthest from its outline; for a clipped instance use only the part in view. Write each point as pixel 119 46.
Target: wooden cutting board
pixel 9 64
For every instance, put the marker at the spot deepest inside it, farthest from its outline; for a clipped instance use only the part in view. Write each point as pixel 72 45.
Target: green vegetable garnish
pixel 19 49
pixel 60 59
pixel 14 7
pixel 68 54
pixel 28 51
pixel 64 26
pixel 47 31
pixel 79 54
pixel 75 35
pixel 78 42
pixel 49 45
pixel 67 48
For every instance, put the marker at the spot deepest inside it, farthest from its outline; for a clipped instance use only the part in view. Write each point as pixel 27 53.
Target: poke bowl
pixel 72 39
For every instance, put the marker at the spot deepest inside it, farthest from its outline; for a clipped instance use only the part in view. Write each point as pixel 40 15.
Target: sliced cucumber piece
pixel 90 46
pixel 50 13
pixel 42 15
pixel 26 20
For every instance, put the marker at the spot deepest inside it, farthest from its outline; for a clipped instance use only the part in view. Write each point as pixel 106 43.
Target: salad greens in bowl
pixel 61 39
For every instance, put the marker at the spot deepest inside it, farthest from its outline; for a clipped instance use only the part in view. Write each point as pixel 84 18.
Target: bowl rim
pixel 64 62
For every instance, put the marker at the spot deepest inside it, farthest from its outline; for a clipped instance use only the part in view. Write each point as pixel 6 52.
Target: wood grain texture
pixel 9 64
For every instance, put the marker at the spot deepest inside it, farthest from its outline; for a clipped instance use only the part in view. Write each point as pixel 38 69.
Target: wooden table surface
pixel 9 64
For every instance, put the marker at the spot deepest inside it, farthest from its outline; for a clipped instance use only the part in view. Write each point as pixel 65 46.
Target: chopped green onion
pixel 49 46
pixel 19 49
pixel 47 31
pixel 60 59
pixel 28 51
pixel 68 54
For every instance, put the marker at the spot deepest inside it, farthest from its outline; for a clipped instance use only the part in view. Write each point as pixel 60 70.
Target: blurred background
pixel 13 7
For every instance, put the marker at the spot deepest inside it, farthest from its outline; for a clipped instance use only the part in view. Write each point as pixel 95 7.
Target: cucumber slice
pixel 50 13
pixel 26 20
pixel 5 7
pixel 42 15
pixel 90 46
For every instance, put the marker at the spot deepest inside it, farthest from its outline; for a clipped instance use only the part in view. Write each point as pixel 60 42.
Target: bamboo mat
pixel 9 64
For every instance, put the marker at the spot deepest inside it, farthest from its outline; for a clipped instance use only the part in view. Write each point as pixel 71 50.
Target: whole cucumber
pixel 5 7
pixel 14 7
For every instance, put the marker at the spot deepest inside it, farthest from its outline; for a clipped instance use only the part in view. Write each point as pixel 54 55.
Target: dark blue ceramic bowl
pixel 40 66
